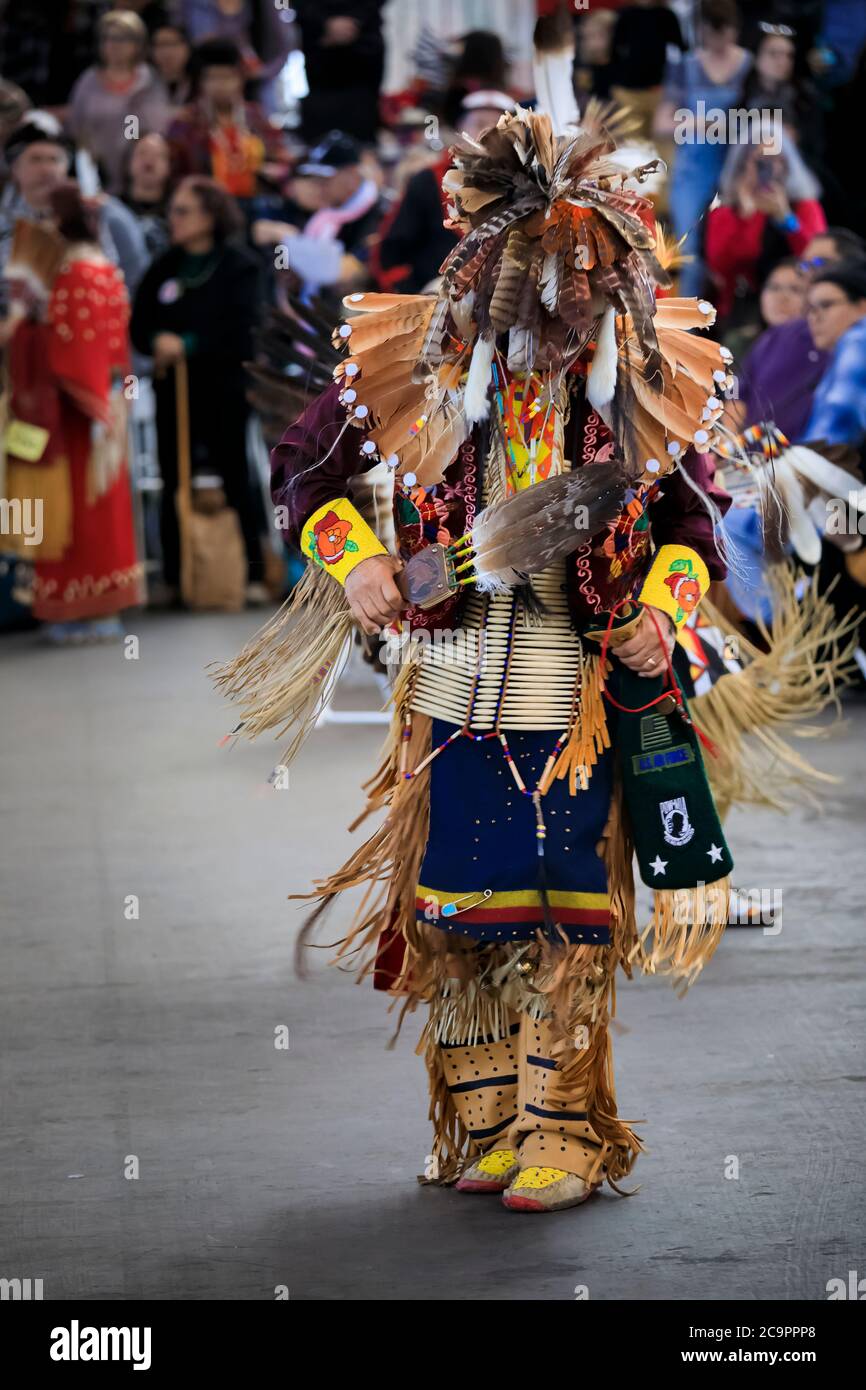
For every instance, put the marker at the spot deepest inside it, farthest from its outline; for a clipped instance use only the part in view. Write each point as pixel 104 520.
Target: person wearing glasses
pixel 170 52
pixel 779 381
pixel 833 244
pixel 836 314
pixel 778 375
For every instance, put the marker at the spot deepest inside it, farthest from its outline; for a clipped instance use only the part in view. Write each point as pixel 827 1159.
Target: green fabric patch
pixel 677 832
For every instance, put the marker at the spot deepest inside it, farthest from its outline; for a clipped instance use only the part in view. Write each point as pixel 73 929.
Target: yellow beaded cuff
pixel 338 538
pixel 676 582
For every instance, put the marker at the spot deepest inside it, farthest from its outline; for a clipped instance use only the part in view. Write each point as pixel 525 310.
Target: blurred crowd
pixel 202 191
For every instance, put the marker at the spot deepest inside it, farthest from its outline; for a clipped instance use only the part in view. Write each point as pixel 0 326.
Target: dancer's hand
pixel 643 652
pixel 373 595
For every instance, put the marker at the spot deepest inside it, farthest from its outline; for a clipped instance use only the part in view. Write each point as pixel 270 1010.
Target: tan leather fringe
pixel 388 863
pixel 687 924
pixel 585 1058
pixel 574 987
pixel 580 986
pixel 469 1009
pixel 808 661
pixel 686 927
pixel 471 992
pixel 576 990
pixel 589 735
pixel 617 850
pixel 282 675
pixel 393 759
pixel 452 1146
pixel 467 1003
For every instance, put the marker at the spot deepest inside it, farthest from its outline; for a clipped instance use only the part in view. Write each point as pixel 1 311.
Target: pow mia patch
pixel 676 826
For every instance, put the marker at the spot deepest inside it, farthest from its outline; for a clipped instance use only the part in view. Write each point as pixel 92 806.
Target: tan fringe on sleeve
pixel 283 676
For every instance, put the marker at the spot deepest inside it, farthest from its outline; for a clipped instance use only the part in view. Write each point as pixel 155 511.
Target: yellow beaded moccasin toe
pixel 493 1172
pixel 546 1189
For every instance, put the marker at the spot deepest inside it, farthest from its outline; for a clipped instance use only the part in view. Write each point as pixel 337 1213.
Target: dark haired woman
pixel 480 65
pixel 170 51
pixel 67 350
pixel 199 301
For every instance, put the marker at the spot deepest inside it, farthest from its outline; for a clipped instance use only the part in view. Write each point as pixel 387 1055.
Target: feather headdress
pixel 557 263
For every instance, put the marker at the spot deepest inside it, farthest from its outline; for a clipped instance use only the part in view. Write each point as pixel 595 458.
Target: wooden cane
pixel 183 496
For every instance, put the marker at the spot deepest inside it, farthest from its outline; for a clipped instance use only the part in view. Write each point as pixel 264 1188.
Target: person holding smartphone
pixel 769 210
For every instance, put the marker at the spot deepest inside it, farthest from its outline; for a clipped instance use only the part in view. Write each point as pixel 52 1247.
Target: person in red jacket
pixel 769 210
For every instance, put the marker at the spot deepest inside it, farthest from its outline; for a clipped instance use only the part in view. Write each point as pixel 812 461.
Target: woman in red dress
pixel 66 361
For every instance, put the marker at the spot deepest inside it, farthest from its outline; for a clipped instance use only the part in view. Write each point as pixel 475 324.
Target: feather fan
pixel 794 489
pixel 530 531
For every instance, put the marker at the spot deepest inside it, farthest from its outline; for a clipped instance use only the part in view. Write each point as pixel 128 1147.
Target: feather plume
pixel 461 313
pixel 669 253
pixel 616 122
pixel 476 403
pixel 503 305
pixel 826 476
pixel 575 298
pixel 601 382
pixel 684 314
pixel 801 528
pixel 519 350
pixel 622 211
pixel 435 447
pixel 294 361
pixel 549 282
pixel 553 70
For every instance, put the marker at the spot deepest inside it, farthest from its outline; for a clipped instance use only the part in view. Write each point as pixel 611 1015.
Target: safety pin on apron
pixel 452 910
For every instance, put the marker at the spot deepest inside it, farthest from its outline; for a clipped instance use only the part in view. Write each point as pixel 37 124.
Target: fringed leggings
pixel 549 1098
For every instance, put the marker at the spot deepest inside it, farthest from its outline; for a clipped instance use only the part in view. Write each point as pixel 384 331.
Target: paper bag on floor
pixel 214 561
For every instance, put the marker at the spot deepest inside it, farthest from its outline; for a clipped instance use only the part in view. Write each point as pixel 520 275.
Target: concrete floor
pixel 152 1040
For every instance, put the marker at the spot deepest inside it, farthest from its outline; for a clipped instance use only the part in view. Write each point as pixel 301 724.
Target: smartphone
pixel 767 173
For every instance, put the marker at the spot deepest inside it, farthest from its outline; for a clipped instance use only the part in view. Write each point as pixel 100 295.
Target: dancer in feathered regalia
pixel 547 422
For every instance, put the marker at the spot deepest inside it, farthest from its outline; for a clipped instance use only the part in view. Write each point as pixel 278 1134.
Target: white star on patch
pixel 658 865
pixel 715 853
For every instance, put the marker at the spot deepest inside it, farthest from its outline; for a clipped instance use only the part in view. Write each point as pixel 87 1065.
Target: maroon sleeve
pixel 313 462
pixel 679 517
